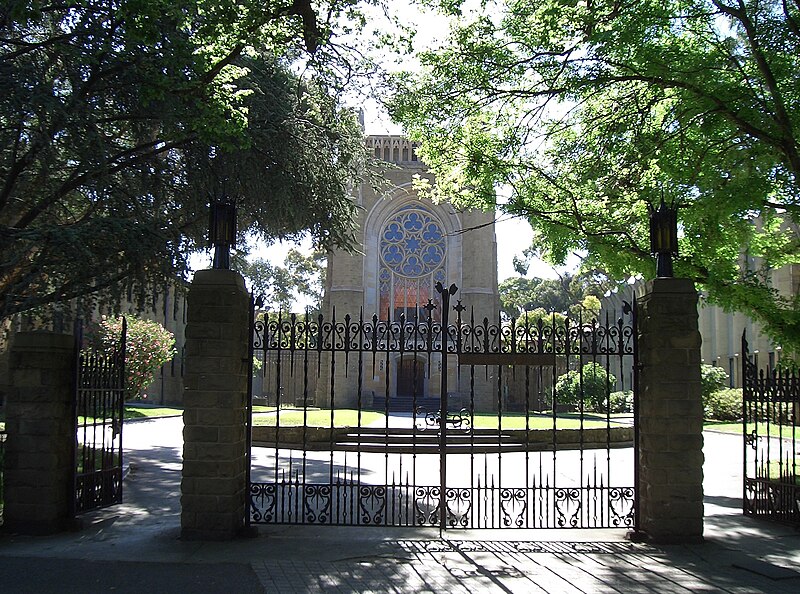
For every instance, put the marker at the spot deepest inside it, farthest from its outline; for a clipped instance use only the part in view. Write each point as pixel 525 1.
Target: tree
pixel 302 275
pixel 148 346
pixel 576 294
pixel 520 294
pixel 120 120
pixel 591 113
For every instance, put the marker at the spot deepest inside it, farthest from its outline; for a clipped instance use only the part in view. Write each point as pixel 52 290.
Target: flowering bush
pixel 148 346
pixel 723 405
pixel 712 379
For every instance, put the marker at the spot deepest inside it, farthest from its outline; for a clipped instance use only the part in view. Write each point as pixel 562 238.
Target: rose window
pixel 412 260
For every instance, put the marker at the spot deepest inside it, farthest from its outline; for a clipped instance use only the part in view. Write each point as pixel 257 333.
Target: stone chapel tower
pixel 409 244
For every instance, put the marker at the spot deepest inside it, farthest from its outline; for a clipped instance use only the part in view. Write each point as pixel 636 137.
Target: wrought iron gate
pixel 99 408
pixel 526 424
pixel 771 403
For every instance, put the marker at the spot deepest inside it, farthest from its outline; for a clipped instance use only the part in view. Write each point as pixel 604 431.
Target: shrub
pixel 712 379
pixel 258 365
pixel 621 402
pixel 148 346
pixel 723 405
pixel 596 384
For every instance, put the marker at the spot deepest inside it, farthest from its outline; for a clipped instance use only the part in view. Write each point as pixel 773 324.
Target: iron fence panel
pixel 99 411
pixel 446 421
pixel 770 405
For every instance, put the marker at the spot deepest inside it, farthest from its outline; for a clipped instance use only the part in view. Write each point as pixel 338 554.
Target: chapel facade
pixel 408 245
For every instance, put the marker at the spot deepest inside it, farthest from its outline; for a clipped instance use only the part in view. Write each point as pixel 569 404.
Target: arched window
pixel 412 260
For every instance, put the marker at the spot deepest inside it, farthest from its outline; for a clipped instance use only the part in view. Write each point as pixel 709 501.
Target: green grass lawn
pixel 544 421
pixel 775 472
pixel 784 431
pixel 349 418
pixel 94 458
pixel 343 417
pixel 261 409
pixel 153 412
pixel 143 412
pixel 139 412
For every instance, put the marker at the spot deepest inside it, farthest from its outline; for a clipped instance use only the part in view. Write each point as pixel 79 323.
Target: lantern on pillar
pixel 222 231
pixel 664 238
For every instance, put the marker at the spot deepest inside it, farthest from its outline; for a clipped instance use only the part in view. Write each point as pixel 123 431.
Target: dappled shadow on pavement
pixel 437 565
pixel 145 528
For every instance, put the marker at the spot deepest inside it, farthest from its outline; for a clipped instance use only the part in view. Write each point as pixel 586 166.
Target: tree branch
pixel 108 167
pixel 788 143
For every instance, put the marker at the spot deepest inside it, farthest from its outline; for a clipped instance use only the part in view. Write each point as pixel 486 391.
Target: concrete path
pixel 135 547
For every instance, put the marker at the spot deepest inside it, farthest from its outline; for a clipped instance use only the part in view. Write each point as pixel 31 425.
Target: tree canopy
pixel 570 294
pixel 589 113
pixel 121 120
pixel 301 275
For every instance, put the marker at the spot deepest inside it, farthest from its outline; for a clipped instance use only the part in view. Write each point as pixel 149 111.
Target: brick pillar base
pixel 670 413
pixel 40 445
pixel 214 482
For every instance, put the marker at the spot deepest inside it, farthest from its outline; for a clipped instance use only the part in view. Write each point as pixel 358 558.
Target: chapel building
pixel 408 245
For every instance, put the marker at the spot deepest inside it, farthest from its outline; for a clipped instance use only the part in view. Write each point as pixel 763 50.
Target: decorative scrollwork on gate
pixel 263 502
pixel 426 506
pixel 514 507
pixel 317 502
pixel 567 506
pixel 372 504
pixel 459 505
pixel 621 506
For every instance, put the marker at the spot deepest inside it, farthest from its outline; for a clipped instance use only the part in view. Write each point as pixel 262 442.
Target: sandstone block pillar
pixel 670 413
pixel 40 443
pixel 214 480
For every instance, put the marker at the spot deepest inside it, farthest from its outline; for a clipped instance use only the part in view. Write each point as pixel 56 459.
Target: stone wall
pixel 40 446
pixel 214 480
pixel 670 412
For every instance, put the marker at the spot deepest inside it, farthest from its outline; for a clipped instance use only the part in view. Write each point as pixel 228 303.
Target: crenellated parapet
pixel 393 149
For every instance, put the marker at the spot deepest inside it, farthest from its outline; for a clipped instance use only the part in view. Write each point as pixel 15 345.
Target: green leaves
pixel 123 120
pixel 148 346
pixel 590 113
pixel 301 275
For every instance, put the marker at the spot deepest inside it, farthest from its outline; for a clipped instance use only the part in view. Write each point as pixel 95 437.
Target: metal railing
pixel 771 403
pixel 99 409
pixel 460 424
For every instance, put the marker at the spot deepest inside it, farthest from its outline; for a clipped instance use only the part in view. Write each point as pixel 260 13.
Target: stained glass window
pixel 412 260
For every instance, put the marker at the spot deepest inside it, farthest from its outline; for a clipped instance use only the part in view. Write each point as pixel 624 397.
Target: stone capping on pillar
pixel 670 412
pixel 214 479
pixel 40 427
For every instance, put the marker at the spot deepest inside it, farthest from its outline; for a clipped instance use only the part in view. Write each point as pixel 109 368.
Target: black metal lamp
pixel 664 238
pixel 222 231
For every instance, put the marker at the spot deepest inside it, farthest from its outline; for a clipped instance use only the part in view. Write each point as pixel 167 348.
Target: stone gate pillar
pixel 214 481
pixel 40 426
pixel 670 412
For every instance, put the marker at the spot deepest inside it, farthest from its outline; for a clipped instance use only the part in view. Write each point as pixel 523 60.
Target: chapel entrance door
pixel 410 374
